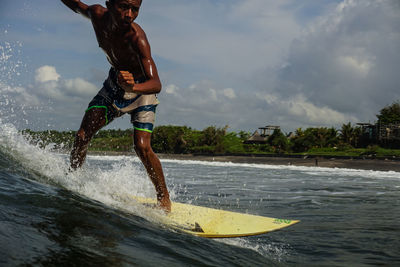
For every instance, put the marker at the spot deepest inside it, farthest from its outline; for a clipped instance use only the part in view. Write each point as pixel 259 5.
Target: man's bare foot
pixel 165 204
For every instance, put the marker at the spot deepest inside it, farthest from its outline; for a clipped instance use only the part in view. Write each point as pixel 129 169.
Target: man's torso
pixel 120 48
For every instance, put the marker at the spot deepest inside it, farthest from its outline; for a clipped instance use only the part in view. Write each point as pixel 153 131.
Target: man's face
pixel 126 11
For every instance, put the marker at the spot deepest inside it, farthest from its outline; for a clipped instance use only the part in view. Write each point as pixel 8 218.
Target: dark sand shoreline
pixel 329 162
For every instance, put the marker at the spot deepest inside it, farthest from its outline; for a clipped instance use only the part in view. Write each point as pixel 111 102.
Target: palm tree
pixel 350 134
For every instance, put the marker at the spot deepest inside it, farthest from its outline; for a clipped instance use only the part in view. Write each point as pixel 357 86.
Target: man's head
pixel 113 1
pixel 124 12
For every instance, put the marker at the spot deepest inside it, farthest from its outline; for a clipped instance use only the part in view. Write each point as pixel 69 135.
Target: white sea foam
pixel 277 252
pixel 311 171
pixel 113 186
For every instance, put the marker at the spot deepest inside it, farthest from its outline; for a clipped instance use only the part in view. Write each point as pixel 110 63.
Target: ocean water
pixel 348 217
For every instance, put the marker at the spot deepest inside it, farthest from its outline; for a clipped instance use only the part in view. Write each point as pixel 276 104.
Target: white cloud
pixel 309 113
pixel 49 84
pixel 80 87
pixel 18 95
pixel 46 74
pixel 204 101
pixel 171 89
pixel 359 66
pixel 61 99
pixel 227 37
pixel 229 93
pixel 50 90
pixel 298 109
pixel 213 94
pixel 344 64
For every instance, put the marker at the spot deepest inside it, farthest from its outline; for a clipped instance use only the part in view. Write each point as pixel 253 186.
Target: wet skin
pixel 128 50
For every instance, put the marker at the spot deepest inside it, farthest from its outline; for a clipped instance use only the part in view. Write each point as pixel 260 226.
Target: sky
pixel 242 63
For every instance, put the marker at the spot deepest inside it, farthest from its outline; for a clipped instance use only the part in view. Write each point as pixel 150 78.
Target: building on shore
pixel 387 135
pixel 261 135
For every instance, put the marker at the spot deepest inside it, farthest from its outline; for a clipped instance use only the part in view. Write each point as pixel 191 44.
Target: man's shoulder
pixel 140 36
pixel 139 31
pixel 97 11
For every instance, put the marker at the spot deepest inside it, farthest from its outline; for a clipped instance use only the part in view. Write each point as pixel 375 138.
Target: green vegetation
pixel 51 138
pixel 348 141
pixel 389 114
pixel 213 140
pixel 107 140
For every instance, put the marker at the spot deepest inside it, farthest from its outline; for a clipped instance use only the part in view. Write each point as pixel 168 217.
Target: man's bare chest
pixel 121 51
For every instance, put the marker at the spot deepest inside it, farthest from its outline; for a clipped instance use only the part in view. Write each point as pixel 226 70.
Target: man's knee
pixel 142 148
pixel 83 136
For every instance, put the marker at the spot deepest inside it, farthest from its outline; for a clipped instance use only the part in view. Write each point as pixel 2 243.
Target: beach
pixel 375 164
pixel 363 164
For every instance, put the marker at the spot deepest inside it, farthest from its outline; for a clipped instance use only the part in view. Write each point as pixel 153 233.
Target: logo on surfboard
pixel 280 221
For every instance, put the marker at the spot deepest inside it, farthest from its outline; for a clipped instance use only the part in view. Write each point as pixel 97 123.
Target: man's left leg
pixel 142 142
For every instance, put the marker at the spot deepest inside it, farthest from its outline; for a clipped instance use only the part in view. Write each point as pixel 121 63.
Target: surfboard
pixel 215 223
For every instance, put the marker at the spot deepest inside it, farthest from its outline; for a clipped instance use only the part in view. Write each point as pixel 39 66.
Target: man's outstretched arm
pixel 78 7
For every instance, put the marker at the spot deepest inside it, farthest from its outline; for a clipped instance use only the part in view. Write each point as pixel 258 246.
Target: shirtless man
pixel 131 86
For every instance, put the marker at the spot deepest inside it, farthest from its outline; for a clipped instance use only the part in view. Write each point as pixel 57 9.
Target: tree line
pixel 217 140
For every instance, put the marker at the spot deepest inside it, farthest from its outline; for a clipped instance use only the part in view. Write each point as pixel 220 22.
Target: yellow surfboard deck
pixel 214 223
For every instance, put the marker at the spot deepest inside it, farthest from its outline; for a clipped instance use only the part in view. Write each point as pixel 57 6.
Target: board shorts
pixel 116 103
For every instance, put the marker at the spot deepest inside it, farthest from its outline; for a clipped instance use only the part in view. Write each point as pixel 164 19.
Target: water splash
pixel 10 62
pixel 276 251
pixel 14 98
pixel 112 185
pixel 19 104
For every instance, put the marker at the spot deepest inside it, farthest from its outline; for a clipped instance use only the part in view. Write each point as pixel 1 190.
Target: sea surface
pixel 52 218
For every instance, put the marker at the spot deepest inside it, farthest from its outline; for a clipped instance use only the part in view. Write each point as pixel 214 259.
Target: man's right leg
pixel 94 120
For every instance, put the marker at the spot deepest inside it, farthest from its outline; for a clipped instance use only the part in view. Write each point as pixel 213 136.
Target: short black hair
pixel 113 1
